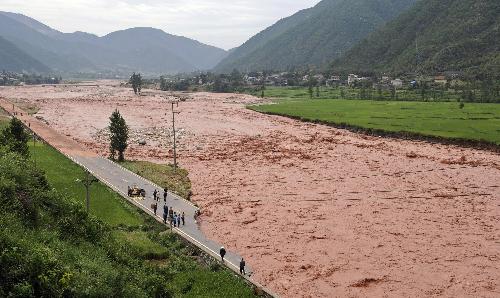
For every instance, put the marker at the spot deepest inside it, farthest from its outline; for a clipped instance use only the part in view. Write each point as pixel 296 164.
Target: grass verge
pixel 163 175
pixel 4 119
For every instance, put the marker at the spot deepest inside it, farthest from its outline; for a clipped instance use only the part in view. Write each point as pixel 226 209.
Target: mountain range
pixel 146 50
pixel 314 36
pixel 432 37
pixel 392 36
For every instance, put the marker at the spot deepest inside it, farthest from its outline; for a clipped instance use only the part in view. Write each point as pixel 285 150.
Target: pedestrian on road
pixel 165 213
pixel 155 193
pixel 175 219
pixel 222 253
pixel 165 194
pixel 129 191
pixel 155 207
pixel 179 220
pixel 183 218
pixel 242 267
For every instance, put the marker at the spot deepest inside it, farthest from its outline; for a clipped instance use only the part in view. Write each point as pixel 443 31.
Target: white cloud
pixel 223 23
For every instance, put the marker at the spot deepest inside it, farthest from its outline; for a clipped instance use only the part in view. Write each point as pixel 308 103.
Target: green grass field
pixel 66 176
pixel 476 121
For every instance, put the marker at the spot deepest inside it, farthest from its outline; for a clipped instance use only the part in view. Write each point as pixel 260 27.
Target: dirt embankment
pixel 316 211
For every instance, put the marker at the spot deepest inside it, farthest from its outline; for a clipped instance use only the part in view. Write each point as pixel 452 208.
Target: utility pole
pixel 87 182
pixel 173 129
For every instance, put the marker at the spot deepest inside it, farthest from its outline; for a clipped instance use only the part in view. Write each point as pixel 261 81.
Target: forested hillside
pixel 239 54
pixel 14 59
pixel 314 36
pixel 434 36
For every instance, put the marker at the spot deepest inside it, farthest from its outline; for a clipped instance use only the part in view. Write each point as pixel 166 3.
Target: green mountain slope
pixel 14 59
pixel 314 36
pixel 434 36
pixel 239 55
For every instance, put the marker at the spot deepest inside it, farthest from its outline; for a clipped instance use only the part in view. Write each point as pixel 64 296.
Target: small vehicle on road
pixel 136 192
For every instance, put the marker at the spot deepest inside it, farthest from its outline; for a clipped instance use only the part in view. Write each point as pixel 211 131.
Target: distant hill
pixel 434 36
pixel 313 36
pixel 158 50
pixel 146 50
pixel 14 59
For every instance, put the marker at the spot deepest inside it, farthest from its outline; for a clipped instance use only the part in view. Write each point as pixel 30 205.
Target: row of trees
pixel 205 81
pixel 14 79
pixel 485 89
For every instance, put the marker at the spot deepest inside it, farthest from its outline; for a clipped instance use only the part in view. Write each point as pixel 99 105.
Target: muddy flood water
pixel 316 211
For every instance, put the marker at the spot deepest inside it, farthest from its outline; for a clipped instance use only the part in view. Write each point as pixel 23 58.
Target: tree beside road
pixel 119 135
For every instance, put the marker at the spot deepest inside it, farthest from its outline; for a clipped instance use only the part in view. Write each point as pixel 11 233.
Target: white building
pixel 397 83
pixel 351 79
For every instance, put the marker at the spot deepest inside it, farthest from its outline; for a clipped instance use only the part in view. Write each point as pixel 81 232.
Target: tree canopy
pixel 119 135
pixel 15 137
pixel 136 82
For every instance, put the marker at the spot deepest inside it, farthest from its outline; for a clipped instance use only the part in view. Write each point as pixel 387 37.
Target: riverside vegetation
pixel 50 247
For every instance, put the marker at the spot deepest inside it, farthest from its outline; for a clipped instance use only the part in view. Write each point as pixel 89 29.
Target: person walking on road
pixel 242 267
pixel 175 219
pixel 222 253
pixel 165 194
pixel 155 194
pixel 183 217
pixel 155 207
pixel 165 213
pixel 179 220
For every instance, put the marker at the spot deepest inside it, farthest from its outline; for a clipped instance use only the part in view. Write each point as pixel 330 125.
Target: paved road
pixel 119 178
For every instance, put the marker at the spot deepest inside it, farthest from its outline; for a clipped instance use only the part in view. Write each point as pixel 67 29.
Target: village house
pixel 249 80
pixel 351 79
pixel 440 80
pixel 397 83
pixel 334 81
pixel 385 79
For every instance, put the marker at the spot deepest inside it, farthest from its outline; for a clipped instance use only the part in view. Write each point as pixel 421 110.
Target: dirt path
pixel 316 211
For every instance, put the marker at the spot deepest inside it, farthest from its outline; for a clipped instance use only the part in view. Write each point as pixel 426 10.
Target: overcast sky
pixel 222 23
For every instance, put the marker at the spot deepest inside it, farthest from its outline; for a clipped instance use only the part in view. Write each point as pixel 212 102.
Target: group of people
pixel 156 195
pixel 174 218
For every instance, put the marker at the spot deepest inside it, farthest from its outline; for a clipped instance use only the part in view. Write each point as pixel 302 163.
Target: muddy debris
pixel 287 194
